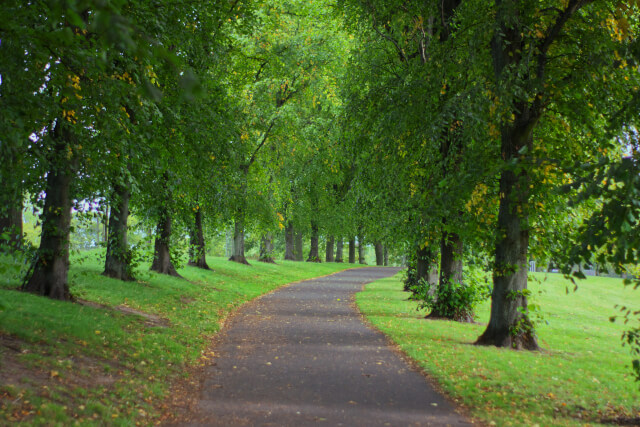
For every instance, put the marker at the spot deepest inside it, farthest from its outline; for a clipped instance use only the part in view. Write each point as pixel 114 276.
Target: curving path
pixel 303 356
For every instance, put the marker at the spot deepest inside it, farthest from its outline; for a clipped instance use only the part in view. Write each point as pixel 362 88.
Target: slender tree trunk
pixel 329 250
pixel 198 248
pixel 162 254
pixel 379 253
pixel 117 262
pixel 361 259
pixel 298 246
pixel 238 242
pixel 352 250
pixel 289 242
pixel 450 258
pixel 339 250
pixel 266 249
pixel 11 225
pixel 314 252
pixel 11 202
pixel 424 261
pixel 49 272
pixel 386 255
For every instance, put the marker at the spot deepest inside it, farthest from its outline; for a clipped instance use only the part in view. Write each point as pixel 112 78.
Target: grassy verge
pixel 581 377
pixel 112 358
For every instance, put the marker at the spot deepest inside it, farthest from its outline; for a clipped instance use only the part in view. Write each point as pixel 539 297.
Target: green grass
pixel 582 375
pixel 65 363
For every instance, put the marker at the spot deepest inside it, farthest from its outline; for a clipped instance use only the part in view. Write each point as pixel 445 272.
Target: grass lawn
pixel 112 359
pixel 581 377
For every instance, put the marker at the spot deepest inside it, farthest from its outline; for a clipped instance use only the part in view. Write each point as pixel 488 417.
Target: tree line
pixel 463 134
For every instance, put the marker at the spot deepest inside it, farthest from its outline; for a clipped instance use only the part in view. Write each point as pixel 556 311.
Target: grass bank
pixel 581 377
pixel 111 359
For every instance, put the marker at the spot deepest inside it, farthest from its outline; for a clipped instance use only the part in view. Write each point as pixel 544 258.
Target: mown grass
pixel 582 376
pixel 72 364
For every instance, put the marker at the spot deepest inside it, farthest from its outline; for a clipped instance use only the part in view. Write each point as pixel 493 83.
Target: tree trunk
pixel 386 255
pixel 11 202
pixel 266 249
pixel 352 250
pixel 339 250
pixel 329 250
pixel 508 326
pixel 162 255
pixel 117 262
pixel 314 252
pixel 424 264
pixel 11 225
pixel 49 271
pixel 238 242
pixel 450 258
pixel 289 245
pixel 198 255
pixel 361 259
pixel 298 246
pixel 379 253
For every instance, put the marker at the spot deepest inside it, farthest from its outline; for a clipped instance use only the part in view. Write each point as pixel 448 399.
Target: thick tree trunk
pixel 50 269
pixel 289 244
pixel 379 253
pixel 117 262
pixel 198 255
pixel 298 246
pixel 328 253
pixel 352 250
pixel 386 255
pixel 162 255
pixel 238 242
pixel 339 250
pixel 266 249
pixel 314 251
pixel 508 326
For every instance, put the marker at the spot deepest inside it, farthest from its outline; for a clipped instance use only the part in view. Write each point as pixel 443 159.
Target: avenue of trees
pixel 462 135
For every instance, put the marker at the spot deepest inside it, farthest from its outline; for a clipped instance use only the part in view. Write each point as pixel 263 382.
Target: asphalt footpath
pixel 303 355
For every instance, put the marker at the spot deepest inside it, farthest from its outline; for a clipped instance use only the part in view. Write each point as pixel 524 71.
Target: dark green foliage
pixel 455 301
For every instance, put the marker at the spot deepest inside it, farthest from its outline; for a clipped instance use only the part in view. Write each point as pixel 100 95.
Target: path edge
pixel 459 407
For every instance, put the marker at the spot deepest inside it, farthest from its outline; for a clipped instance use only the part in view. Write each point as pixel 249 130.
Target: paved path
pixel 302 356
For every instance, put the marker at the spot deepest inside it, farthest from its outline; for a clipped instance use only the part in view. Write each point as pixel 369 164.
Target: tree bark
pixel 361 259
pixel 424 264
pixel 238 242
pixel 266 249
pixel 289 242
pixel 11 202
pixel 379 253
pixel 162 254
pixel 352 250
pixel 314 251
pixel 117 263
pixel 509 325
pixel 329 250
pixel 11 224
pixel 386 255
pixel 450 258
pixel 339 250
pixel 298 246
pixel 198 249
pixel 49 271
